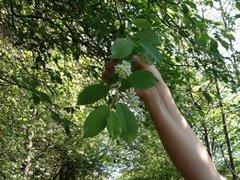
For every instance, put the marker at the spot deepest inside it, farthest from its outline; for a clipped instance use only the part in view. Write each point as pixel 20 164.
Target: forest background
pixel 51 50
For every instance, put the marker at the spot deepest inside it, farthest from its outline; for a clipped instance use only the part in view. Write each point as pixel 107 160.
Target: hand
pixel 147 94
pixel 152 92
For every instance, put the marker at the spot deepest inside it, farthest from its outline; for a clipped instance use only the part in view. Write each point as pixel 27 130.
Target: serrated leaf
pixel 152 51
pixel 142 23
pixel 92 94
pixel 128 121
pixel 148 36
pixel 114 125
pixel 139 80
pixel 96 121
pixel 121 48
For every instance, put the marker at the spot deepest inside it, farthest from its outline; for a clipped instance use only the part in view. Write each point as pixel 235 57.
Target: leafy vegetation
pixel 51 93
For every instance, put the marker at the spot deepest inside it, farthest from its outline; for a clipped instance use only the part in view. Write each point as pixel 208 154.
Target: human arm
pixel 182 145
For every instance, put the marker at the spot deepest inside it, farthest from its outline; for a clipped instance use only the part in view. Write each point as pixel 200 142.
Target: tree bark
pixel 29 145
pixel 225 130
pixel 207 142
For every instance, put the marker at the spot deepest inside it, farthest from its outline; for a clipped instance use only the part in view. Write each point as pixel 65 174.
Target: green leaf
pixel 114 78
pixel 207 96
pixel 210 3
pixel 142 23
pixel 202 39
pixel 148 36
pixel 237 16
pixel 121 48
pixel 152 51
pixel 213 46
pixel 114 125
pixel 36 99
pixel 185 9
pixel 191 4
pixel 92 94
pixel 229 35
pixel 238 5
pixel 128 121
pixel 56 117
pixel 96 121
pixel 224 43
pixel 40 96
pixel 139 80
pixel 63 121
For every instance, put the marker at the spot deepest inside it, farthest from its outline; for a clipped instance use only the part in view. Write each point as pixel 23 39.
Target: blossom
pixel 132 98
pixel 124 69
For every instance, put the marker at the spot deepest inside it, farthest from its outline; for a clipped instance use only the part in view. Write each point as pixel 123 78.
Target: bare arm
pixel 182 145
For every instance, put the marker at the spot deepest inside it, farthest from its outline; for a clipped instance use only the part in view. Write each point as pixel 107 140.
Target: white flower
pixel 132 98
pixel 123 70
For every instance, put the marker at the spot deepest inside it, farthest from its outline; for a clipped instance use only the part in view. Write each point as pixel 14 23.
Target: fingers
pixel 139 62
pixel 106 76
pixel 110 65
pixel 109 68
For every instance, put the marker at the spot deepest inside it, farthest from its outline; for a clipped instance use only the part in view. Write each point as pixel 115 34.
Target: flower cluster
pixel 123 70
pixel 132 98
pixel 129 96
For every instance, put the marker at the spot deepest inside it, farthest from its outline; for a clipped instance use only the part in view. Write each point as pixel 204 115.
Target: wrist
pixel 153 94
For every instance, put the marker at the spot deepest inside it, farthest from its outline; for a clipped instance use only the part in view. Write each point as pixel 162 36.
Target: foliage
pixel 51 50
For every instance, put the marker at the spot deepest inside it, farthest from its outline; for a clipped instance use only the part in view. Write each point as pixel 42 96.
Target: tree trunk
pixel 225 130
pixel 207 142
pixel 29 145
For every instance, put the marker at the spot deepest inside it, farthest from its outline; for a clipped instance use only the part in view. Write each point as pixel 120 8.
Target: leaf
pixel 96 121
pixel 224 43
pixel 69 109
pixel 36 99
pixel 92 94
pixel 114 125
pixel 207 96
pixel 238 5
pixel 139 80
pixel 148 36
pixel 152 51
pixel 229 35
pixel 142 23
pixel 121 48
pixel 237 16
pixel 202 39
pixel 210 3
pixel 129 123
pixel 191 4
pixel 40 96
pixel 56 117
pixel 185 9
pixel 213 46
pixel 63 121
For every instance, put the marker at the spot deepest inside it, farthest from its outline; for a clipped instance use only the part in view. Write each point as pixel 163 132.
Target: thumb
pixel 139 62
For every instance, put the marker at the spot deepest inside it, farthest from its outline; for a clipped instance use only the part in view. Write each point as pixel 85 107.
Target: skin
pixel 182 145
